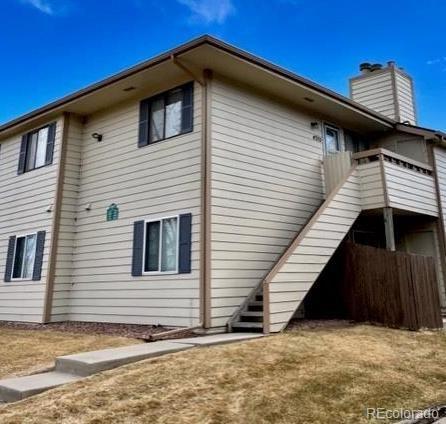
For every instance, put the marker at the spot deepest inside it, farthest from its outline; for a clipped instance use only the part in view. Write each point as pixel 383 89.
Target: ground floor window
pixel 24 256
pixel 161 245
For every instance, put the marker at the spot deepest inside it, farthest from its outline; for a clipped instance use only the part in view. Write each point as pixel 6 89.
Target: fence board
pixel 393 288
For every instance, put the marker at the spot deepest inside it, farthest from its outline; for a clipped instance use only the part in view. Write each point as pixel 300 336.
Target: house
pixel 205 186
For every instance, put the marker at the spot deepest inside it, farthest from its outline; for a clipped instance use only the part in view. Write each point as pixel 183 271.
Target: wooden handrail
pixel 391 157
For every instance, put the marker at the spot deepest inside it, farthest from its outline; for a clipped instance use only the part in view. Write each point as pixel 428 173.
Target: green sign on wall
pixel 112 212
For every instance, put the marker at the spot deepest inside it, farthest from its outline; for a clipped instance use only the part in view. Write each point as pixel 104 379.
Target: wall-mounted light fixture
pixel 97 136
pixel 49 208
pixel 88 207
pixel 314 125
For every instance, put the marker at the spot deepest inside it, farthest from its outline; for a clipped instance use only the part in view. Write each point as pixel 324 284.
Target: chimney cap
pixel 364 65
pixel 376 67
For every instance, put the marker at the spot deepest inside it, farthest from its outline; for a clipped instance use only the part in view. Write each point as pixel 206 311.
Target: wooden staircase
pixel 250 317
pixel 273 303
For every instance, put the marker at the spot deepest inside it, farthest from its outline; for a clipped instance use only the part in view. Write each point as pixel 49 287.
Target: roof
pixel 205 40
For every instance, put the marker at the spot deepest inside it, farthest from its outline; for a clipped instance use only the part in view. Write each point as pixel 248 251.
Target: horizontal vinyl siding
pixel 25 199
pixel 67 229
pixel 410 190
pixel 375 92
pixel 266 183
pixel 406 101
pixel 296 276
pixel 371 182
pixel 440 166
pixel 155 181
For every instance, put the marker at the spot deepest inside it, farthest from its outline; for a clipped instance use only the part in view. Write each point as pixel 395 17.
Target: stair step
pixel 247 326
pixel 15 389
pixel 259 297
pixel 255 306
pixel 251 316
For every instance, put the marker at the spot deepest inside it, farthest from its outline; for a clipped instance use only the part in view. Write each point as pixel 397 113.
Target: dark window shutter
pixel 38 261
pixel 22 156
pixel 144 123
pixel 185 243
pixel 50 144
pixel 9 259
pixel 138 248
pixel 188 109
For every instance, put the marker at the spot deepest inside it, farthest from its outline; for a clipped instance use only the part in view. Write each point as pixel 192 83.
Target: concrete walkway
pixel 74 367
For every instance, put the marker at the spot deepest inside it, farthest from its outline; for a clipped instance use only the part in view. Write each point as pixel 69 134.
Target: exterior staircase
pixel 250 317
pixel 273 303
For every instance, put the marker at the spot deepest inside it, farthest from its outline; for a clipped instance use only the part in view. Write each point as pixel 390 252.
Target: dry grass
pixel 307 376
pixel 26 351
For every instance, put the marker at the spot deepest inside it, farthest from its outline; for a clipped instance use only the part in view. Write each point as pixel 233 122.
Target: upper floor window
pixel 332 143
pixel 37 148
pixel 166 115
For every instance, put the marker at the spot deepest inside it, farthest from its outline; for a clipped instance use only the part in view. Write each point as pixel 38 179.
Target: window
pixel 166 115
pixel 161 245
pixel 24 257
pixel 37 149
pixel 331 139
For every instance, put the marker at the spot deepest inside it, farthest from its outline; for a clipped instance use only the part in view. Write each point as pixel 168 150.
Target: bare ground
pixel 309 375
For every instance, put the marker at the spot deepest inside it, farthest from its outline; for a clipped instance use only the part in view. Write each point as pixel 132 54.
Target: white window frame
pixel 159 272
pixel 340 137
pixel 28 145
pixel 23 262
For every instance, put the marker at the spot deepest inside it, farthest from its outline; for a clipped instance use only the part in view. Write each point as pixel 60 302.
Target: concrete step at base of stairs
pixel 18 388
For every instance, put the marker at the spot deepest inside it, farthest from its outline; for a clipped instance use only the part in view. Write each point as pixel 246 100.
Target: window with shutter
pixel 36 149
pixel 162 245
pixel 166 115
pixel 25 256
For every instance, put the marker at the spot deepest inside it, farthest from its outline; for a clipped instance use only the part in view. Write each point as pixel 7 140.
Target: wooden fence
pixel 393 288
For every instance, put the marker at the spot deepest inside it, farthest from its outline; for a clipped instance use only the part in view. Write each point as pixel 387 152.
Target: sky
pixel 50 48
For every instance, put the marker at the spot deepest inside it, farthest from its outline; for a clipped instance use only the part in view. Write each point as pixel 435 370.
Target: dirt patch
pixel 133 331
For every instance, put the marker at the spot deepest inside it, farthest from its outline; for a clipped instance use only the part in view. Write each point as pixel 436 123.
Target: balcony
pixel 387 179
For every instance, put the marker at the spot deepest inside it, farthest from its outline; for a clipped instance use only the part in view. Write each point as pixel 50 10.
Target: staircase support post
pixel 388 228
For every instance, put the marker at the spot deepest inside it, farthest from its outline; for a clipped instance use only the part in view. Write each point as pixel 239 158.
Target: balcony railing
pixel 392 180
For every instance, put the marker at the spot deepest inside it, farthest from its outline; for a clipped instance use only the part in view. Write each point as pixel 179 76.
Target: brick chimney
pixel 385 89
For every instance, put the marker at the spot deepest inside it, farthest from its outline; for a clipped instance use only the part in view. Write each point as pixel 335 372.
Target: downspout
pixel 205 230
pixel 55 224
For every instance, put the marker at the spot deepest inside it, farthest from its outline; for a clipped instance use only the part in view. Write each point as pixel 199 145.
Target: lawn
pixel 26 351
pixel 324 375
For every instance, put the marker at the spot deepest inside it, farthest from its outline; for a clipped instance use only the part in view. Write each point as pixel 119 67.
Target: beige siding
pixel 406 101
pixel 266 183
pixel 372 191
pixel 159 180
pixel 323 234
pixel 375 92
pixel 440 166
pixel 410 190
pixel 67 229
pixel 25 199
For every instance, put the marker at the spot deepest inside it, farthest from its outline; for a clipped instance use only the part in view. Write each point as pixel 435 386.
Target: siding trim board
pixel 56 208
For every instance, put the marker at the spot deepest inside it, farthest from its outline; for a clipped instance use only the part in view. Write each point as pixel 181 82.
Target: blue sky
pixel 50 48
